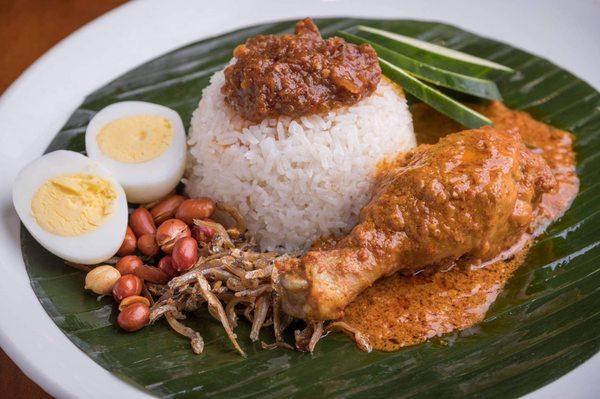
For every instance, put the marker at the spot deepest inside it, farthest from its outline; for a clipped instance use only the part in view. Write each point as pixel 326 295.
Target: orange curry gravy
pixel 402 310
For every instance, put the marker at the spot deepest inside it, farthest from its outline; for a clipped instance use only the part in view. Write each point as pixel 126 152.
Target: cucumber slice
pixel 429 95
pixel 433 54
pixel 477 87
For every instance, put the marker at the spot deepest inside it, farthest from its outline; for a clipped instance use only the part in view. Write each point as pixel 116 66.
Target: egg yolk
pixel 71 205
pixel 135 139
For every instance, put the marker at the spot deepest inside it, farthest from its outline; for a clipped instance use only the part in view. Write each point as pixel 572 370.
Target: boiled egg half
pixel 142 144
pixel 73 206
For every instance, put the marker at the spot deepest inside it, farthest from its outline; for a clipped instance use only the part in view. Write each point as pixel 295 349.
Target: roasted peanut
pixel 127 285
pixel 169 232
pixel 166 208
pixel 152 274
pixel 166 265
pixel 134 317
pixel 129 243
pixel 130 300
pixel 141 222
pixel 147 245
pixel 128 264
pixel 101 279
pixel 185 254
pixel 197 208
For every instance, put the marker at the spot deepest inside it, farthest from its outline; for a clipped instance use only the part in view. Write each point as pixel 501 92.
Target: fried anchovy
pixel 259 273
pixel 275 345
pixel 260 314
pixel 196 339
pixel 234 284
pixel 235 214
pixel 316 335
pixel 236 270
pixel 230 309
pixel 362 342
pixel 156 289
pixel 248 312
pixel 215 304
pixel 277 319
pixel 256 291
pixel 218 274
pixel 161 309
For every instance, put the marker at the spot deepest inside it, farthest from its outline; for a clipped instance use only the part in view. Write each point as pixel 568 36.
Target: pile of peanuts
pixel 173 247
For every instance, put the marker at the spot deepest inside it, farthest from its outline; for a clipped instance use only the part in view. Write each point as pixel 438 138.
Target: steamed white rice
pixel 295 180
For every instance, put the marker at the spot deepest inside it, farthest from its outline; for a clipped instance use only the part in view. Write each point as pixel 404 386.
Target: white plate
pixel 35 107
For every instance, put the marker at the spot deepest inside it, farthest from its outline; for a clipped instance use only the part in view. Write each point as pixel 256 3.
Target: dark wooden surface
pixel 28 28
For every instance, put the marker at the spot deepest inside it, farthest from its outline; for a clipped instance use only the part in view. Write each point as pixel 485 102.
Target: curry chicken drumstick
pixel 473 195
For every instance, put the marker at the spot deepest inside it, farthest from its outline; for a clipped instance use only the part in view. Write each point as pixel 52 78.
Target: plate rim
pixel 35 363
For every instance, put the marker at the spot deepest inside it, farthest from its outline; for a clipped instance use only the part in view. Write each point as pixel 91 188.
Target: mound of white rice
pixel 295 180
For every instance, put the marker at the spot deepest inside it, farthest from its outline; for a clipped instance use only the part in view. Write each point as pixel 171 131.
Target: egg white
pixel 145 181
pixel 89 248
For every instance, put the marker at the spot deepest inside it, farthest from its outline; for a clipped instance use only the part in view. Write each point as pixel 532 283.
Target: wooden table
pixel 27 29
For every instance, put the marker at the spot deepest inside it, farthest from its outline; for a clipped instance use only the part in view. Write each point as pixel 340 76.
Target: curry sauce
pixel 403 310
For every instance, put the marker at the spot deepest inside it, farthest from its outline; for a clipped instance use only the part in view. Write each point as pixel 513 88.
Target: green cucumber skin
pixel 433 59
pixel 477 87
pixel 444 104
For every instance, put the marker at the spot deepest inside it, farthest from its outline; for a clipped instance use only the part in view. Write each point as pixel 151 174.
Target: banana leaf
pixel 544 324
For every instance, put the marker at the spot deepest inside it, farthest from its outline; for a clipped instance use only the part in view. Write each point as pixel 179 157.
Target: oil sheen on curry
pixel 408 308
